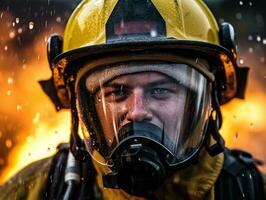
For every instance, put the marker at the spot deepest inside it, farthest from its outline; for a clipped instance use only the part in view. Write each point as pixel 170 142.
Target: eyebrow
pixel 161 82
pixel 151 84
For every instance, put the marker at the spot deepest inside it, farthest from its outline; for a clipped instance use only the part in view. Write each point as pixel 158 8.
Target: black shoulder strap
pixel 240 178
pixel 56 186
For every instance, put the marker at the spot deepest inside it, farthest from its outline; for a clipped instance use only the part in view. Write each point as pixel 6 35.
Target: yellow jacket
pixel 195 182
pixel 29 183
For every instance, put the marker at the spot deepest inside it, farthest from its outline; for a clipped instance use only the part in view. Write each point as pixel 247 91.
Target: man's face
pixel 141 97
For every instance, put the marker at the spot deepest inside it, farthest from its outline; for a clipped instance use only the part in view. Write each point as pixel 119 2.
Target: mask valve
pixel 140 171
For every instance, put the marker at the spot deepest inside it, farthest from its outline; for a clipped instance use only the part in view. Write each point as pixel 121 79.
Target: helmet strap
pixel 215 123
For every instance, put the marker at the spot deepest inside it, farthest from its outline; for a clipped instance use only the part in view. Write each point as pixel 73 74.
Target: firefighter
pixel 144 80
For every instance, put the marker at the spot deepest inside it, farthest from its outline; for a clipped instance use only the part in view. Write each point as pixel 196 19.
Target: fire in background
pixel 30 128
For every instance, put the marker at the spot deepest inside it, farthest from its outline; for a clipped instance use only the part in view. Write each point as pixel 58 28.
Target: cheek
pixel 170 114
pixel 169 110
pixel 111 117
pixel 105 116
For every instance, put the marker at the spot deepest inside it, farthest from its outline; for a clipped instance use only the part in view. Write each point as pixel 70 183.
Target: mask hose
pixel 72 172
pixel 72 176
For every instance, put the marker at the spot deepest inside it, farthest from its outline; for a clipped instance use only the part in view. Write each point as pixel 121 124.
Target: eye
pixel 160 93
pixel 116 94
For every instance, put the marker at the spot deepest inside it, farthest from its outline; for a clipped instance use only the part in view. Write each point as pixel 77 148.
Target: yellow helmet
pixel 182 20
pixel 103 33
pixel 100 27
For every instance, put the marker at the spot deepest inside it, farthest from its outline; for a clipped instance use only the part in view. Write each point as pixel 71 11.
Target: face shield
pixel 159 105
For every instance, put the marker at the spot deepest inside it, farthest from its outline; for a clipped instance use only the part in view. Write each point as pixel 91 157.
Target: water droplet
pixel 250 4
pixel 9 92
pixel 241 61
pixel 29 139
pixel 58 19
pixel 251 126
pixel 8 143
pixel 260 20
pixel 31 25
pixel 36 118
pixel 250 38
pixel 2 161
pixel 250 50
pixel 176 179
pixel 12 34
pixel 258 38
pixel 122 24
pixel 17 20
pixel 10 81
pixel 6 48
pixel 238 16
pixel 13 24
pixel 20 30
pixel 19 107
pixel 24 66
pixel 264 41
pixel 153 33
pixel 241 3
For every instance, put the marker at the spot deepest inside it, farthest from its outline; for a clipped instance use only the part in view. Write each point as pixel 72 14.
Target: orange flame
pixel 244 124
pixel 37 128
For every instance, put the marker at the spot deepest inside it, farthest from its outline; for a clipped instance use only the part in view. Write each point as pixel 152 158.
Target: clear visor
pixel 173 97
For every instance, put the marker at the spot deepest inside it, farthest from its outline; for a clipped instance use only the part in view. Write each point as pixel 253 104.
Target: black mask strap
pixel 215 123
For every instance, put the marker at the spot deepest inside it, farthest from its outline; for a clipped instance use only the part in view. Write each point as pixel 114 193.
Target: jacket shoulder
pixel 28 183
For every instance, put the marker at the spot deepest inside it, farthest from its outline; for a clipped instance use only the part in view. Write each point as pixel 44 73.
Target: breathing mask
pixel 145 118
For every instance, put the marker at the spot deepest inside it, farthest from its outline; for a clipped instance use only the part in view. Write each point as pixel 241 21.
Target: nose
pixel 138 109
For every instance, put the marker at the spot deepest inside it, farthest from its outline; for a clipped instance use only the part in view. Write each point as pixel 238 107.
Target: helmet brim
pixel 208 49
pixel 65 63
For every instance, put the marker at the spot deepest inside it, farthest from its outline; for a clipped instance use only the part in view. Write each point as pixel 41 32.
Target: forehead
pixel 141 78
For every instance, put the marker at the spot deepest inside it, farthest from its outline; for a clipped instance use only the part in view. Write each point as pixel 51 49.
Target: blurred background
pixel 30 128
